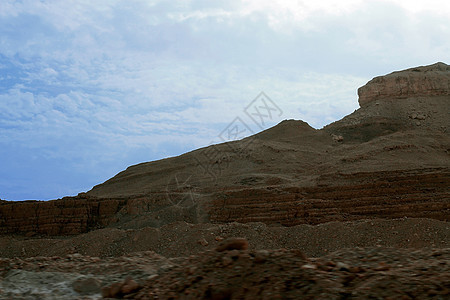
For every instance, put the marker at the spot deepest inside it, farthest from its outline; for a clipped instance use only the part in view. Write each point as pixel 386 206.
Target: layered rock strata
pixel 428 81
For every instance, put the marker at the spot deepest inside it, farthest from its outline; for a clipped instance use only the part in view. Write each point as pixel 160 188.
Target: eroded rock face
pixel 67 216
pixel 427 81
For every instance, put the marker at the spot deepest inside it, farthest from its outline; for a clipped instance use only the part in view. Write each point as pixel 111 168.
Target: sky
pixel 88 88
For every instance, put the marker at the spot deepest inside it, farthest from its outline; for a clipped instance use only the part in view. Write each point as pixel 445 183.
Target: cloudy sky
pixel 88 88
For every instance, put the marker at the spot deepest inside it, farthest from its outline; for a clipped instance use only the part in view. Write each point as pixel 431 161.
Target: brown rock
pixel 233 253
pixel 261 256
pixel 337 138
pixel 233 244
pixel 106 292
pixel 325 268
pixel 330 264
pixel 115 290
pixel 427 81
pixel 203 242
pixel 129 286
pixel 382 267
pixel 226 261
pixel 298 253
pixel 342 266
pixel 86 286
pixel 356 269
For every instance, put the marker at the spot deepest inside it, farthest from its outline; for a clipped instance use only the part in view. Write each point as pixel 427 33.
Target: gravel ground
pixel 183 239
pixel 74 276
pixel 235 272
pixel 371 259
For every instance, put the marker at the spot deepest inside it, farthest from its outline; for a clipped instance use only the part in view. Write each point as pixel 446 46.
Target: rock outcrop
pixel 412 194
pixel 67 216
pixel 428 81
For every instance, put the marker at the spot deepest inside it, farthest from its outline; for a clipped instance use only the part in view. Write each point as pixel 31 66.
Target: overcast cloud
pixel 88 88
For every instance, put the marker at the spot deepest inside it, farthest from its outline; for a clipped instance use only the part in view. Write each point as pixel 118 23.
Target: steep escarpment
pixel 413 100
pixel 427 81
pixel 67 216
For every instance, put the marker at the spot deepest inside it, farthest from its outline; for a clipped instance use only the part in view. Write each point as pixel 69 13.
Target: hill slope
pixel 388 159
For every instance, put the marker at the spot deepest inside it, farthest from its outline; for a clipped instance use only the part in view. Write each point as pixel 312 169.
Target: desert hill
pixel 395 145
pixel 356 210
pixel 388 159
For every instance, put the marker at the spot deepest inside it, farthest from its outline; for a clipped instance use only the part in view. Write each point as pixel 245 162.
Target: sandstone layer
pixel 67 216
pixel 428 81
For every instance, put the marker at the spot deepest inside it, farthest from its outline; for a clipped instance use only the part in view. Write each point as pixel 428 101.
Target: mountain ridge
pixel 388 159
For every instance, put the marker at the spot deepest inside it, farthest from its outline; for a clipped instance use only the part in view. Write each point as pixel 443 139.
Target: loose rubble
pixel 233 271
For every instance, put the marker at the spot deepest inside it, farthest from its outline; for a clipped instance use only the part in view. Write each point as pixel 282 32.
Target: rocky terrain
pixel 342 212
pixel 233 272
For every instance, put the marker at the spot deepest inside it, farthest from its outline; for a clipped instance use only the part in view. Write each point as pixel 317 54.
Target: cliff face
pixel 428 81
pixel 388 159
pixel 67 216
pixel 413 194
pixel 335 197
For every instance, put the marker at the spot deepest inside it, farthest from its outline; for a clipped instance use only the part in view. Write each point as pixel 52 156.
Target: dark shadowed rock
pixel 233 244
pixel 86 286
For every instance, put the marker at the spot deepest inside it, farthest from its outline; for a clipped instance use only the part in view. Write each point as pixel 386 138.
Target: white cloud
pixel 441 7
pixel 109 83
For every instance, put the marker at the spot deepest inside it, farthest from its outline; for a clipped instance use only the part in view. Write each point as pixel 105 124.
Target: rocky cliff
pixel 389 159
pixel 67 216
pixel 428 81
